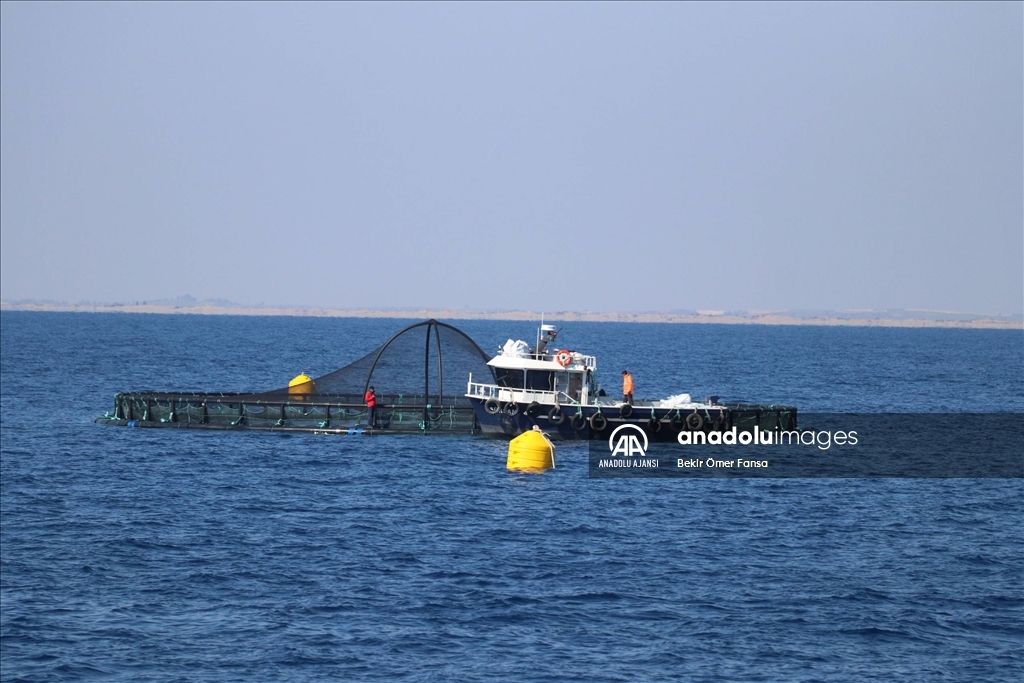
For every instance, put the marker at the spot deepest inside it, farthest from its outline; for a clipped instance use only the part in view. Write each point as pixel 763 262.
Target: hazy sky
pixel 538 156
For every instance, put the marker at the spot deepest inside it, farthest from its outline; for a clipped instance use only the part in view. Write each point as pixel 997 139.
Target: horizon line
pixel 829 319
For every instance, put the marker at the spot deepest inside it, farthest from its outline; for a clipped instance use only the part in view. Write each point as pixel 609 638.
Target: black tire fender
pixel 598 422
pixel 556 415
pixel 694 421
pixel 492 407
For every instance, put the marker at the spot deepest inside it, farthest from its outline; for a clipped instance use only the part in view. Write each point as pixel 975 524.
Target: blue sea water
pixel 180 555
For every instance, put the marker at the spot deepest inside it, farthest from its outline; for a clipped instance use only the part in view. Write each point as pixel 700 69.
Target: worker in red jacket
pixel 371 406
pixel 627 388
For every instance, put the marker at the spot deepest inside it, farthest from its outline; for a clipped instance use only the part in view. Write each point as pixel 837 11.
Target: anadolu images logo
pixel 628 445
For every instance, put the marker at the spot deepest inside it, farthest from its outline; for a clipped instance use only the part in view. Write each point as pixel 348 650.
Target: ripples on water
pixel 174 555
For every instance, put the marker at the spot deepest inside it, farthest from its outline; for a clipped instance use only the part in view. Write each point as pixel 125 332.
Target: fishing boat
pixel 557 390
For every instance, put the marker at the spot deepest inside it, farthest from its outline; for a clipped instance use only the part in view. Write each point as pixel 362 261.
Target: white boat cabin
pixel 548 376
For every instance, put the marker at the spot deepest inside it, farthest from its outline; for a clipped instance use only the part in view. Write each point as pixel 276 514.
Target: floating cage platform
pixel 421 372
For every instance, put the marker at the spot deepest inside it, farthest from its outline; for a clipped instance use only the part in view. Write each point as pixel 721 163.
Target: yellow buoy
pixel 301 384
pixel 531 451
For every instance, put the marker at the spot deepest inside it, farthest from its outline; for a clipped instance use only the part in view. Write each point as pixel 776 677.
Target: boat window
pixel 506 377
pixel 575 385
pixel 539 380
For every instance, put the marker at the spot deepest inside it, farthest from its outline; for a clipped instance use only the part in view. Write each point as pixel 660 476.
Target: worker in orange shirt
pixel 627 387
pixel 371 406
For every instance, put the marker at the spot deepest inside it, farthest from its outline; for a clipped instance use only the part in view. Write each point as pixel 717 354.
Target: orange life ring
pixel 564 358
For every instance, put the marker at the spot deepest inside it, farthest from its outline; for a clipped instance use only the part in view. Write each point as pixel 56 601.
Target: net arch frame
pixel 426 356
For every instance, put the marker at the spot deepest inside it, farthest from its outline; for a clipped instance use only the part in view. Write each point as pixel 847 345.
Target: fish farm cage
pixel 421 373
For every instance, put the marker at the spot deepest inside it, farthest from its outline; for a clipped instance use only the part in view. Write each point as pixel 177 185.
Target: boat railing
pixel 578 359
pixel 589 362
pixel 517 395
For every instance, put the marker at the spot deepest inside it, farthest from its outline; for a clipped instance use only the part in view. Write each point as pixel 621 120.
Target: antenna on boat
pixel 536 349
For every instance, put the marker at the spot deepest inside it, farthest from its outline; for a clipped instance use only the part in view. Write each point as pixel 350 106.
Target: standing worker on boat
pixel 627 388
pixel 371 407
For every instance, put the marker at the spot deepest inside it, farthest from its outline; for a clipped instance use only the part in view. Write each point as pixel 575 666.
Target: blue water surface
pixel 181 555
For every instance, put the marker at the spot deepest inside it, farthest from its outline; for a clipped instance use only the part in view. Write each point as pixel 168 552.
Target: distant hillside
pixel 880 318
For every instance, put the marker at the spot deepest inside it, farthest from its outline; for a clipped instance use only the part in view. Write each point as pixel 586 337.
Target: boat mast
pixel 536 349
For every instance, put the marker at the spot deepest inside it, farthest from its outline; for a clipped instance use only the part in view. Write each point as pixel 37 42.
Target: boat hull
pixel 660 424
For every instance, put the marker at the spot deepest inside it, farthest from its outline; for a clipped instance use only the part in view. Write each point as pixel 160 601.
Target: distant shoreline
pixel 560 316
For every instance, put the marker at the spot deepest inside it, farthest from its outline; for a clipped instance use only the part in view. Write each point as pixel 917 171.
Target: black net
pixel 430 362
pixel 420 377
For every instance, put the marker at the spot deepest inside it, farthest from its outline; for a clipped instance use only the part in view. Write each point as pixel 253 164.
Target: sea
pixel 193 555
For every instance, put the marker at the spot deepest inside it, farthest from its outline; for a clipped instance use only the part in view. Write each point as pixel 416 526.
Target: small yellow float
pixel 301 384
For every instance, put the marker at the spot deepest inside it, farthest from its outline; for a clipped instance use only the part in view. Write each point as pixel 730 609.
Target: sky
pixel 535 156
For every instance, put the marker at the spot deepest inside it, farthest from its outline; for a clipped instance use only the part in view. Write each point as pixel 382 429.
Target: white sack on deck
pixel 517 348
